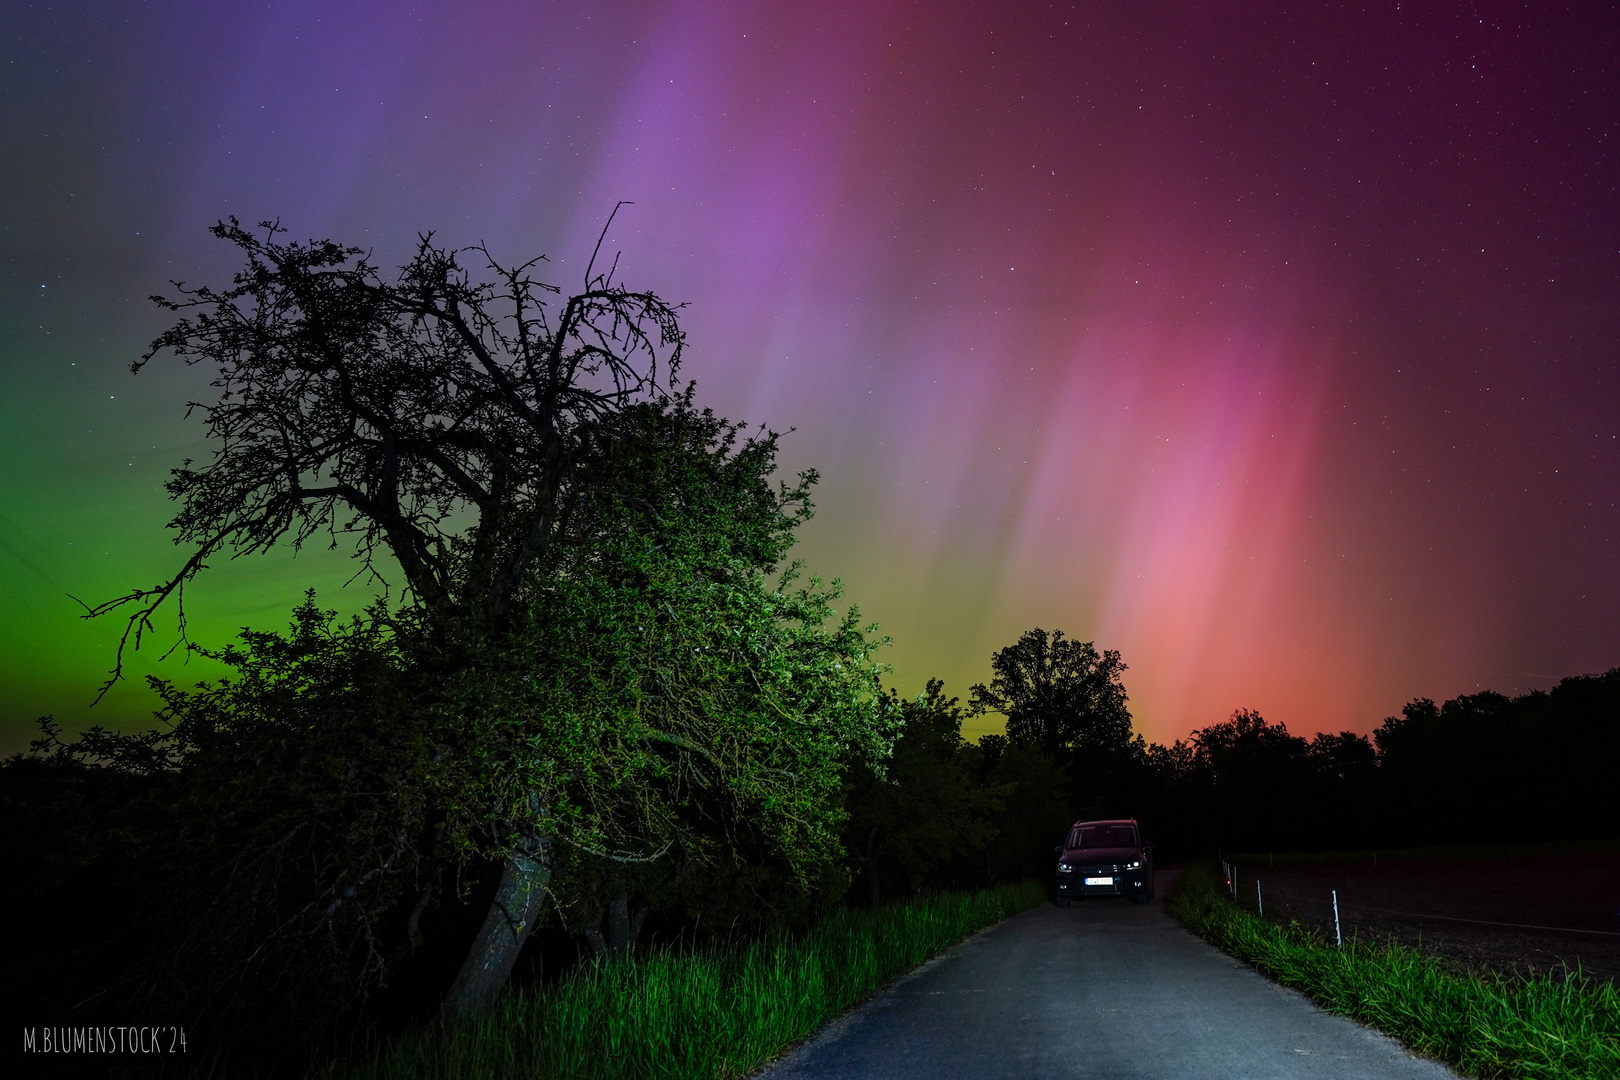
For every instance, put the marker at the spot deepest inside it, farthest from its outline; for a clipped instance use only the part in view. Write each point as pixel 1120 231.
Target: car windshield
pixel 1103 836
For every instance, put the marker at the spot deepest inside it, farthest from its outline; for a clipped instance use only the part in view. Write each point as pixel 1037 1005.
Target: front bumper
pixel 1122 882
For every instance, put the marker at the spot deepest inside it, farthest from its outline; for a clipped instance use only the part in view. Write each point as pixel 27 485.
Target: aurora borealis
pixel 1277 348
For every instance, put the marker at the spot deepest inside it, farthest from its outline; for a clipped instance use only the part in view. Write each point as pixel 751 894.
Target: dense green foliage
pixel 914 818
pixel 666 692
pixel 944 813
pixel 715 1013
pixel 1036 813
pixel 1539 1026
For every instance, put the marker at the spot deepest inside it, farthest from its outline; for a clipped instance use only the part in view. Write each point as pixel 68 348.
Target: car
pixel 1105 858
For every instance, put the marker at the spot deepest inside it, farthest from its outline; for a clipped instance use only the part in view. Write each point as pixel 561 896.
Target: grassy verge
pixel 1454 851
pixel 1487 1026
pixel 714 1014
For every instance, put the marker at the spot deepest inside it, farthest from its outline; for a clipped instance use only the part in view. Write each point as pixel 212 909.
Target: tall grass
pixel 1518 1026
pixel 719 1013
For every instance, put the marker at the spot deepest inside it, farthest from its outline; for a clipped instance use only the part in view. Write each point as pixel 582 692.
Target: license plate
pixel 1099 881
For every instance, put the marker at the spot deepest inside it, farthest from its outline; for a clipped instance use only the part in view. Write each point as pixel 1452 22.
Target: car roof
pixel 1106 821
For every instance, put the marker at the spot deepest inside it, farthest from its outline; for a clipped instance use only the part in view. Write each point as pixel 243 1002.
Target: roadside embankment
pixel 718 1013
pixel 1506 911
pixel 1496 1026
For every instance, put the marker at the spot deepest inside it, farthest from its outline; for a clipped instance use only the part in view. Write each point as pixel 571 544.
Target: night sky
pixel 1278 349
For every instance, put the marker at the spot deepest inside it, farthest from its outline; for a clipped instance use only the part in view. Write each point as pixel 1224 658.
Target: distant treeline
pixel 1482 767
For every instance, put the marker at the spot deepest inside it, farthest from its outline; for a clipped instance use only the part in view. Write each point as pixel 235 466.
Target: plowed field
pixel 1526 913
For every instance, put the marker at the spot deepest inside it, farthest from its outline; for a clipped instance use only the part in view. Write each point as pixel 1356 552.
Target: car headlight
pixel 1137 865
pixel 1065 868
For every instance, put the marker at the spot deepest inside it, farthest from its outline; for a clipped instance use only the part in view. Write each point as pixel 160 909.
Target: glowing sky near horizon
pixel 1276 349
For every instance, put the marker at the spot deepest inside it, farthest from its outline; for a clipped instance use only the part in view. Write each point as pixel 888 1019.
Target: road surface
pixel 1102 989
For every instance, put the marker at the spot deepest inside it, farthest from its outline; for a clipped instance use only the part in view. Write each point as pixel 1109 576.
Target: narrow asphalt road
pixel 1101 989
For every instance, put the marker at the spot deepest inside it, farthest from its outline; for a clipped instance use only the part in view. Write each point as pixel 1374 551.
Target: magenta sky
pixel 1275 349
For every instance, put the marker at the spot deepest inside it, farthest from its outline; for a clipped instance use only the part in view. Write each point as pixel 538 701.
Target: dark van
pixel 1105 858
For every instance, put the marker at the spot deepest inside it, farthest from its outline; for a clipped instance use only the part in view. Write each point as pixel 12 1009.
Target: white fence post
pixel 1338 939
pixel 1259 904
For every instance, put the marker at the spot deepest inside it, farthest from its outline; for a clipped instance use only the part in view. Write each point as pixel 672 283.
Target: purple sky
pixel 1275 348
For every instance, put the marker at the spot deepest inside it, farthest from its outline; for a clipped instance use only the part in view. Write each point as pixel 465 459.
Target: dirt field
pixel 1562 893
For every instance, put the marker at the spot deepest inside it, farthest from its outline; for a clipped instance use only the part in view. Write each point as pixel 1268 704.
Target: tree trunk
pixel 511 916
pixel 869 861
pixel 619 940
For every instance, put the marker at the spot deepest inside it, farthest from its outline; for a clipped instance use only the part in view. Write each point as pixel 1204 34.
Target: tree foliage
pixel 1036 811
pixel 923 808
pixel 667 685
pixel 1060 695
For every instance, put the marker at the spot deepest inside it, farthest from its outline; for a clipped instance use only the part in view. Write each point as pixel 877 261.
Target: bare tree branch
pixel 435 418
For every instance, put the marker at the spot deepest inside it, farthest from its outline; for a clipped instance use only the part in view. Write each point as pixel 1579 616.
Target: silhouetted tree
pixel 1481 767
pixel 1061 696
pixel 1260 782
pixel 1345 768
pixel 434 418
pixel 1177 794
pixel 1486 765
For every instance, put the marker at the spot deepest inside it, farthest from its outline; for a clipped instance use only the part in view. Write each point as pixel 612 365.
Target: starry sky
pixel 1277 347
